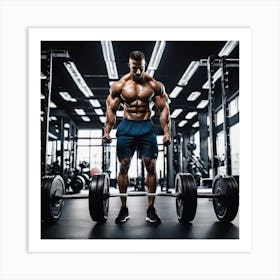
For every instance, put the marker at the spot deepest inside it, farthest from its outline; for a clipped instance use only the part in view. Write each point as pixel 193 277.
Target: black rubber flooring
pixel 76 223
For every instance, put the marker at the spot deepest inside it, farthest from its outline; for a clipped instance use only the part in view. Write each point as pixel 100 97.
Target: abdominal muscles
pixel 137 110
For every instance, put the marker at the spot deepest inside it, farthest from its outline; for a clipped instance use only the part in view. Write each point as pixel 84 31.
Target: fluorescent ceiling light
pixel 67 97
pixel 52 105
pixel 109 58
pixel 190 115
pixel 176 113
pixel 53 118
pixel 156 57
pixel 60 53
pixel 43 77
pixel 78 79
pixel 193 96
pixel 189 73
pixel 228 48
pixel 102 119
pixel 120 113
pixel 182 123
pixel 202 104
pixel 80 112
pixel 95 103
pixel 216 76
pixel 150 72
pixel 195 124
pixel 86 118
pixel 99 112
pixel 175 92
pixel 52 136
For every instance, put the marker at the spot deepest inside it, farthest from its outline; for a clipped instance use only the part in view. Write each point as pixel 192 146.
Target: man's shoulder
pixel 117 86
pixel 156 85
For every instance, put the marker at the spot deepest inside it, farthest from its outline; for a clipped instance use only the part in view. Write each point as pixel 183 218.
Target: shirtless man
pixel 136 90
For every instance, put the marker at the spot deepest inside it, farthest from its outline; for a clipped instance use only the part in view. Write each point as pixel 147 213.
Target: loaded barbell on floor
pixel 225 197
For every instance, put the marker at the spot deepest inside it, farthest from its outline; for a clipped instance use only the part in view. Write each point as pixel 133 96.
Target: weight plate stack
pixel 99 197
pixel 186 202
pixel 226 206
pixel 52 187
pixel 77 183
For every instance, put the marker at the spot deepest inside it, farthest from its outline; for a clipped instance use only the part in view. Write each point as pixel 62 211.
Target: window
pixel 234 106
pixel 234 141
pixel 197 142
pixel 220 117
pixel 90 147
pixel 220 142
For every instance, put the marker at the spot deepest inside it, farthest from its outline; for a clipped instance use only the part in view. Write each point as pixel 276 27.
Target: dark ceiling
pixel 88 58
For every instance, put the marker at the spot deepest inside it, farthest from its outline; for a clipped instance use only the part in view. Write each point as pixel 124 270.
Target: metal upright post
pixel 62 146
pixel 225 86
pixel 211 112
pixel 45 107
pixel 170 158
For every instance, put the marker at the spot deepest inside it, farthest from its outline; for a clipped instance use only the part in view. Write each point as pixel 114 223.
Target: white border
pixel 244 243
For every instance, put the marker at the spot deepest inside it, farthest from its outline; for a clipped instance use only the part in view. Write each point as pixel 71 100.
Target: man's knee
pixel 124 166
pixel 150 165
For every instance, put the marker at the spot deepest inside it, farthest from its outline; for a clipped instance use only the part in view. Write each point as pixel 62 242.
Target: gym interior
pixel 198 173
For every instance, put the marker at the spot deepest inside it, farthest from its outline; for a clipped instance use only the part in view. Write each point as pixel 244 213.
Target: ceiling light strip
pixel 193 96
pixel 78 79
pixel 182 123
pixel 80 112
pixel 156 57
pixel 193 66
pixel 176 113
pixel 109 58
pixel 216 77
pixel 228 48
pixel 175 92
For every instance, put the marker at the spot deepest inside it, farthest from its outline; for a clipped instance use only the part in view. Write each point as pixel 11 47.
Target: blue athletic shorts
pixel 137 135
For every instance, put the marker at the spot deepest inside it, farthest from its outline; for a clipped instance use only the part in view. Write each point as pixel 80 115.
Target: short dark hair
pixel 137 55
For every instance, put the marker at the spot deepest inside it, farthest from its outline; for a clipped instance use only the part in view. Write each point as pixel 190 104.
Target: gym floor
pixel 76 223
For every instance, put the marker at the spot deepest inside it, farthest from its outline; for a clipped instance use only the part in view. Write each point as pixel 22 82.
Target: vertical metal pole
pixel 170 158
pixel 225 85
pixel 46 113
pixel 211 113
pixel 75 146
pixel 62 138
pixel 203 133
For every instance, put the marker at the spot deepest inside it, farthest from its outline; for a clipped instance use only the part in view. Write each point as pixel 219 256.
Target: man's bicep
pixel 113 102
pixel 161 101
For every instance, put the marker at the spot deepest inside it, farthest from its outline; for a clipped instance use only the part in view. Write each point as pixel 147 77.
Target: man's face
pixel 137 69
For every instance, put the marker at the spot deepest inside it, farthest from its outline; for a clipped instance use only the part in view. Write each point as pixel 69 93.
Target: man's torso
pixel 137 97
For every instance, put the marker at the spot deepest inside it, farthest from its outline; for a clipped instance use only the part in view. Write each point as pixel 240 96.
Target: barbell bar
pixel 176 195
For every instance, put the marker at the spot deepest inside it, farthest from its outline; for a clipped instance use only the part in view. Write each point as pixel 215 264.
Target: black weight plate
pixel 186 202
pixel 226 206
pixel 77 183
pixel 86 178
pixel 51 206
pixel 99 197
pixel 233 198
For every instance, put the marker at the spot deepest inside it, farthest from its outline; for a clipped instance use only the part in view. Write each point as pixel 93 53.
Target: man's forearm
pixel 165 121
pixel 110 121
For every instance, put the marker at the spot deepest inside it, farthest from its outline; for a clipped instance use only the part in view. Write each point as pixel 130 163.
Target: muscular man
pixel 136 90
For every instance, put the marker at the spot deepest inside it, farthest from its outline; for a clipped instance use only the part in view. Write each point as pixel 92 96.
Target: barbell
pixel 225 195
